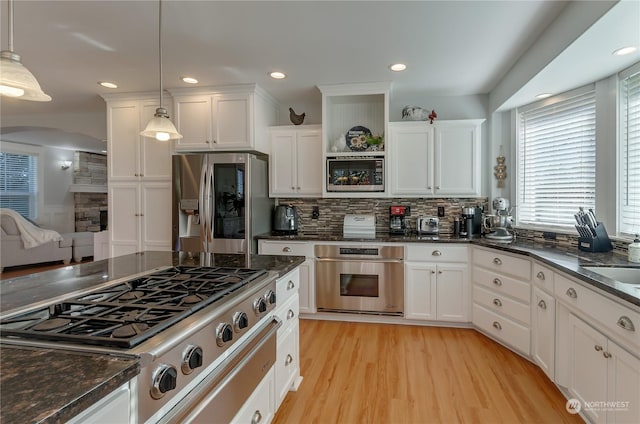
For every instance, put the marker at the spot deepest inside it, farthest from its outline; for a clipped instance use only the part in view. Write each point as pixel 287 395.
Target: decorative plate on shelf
pixel 357 138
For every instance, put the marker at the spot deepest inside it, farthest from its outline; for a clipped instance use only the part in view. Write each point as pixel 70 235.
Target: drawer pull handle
pixel 497 261
pixel 290 285
pixel 286 249
pixel 497 302
pixel 497 282
pixel 257 417
pixel 436 253
pixel 540 275
pixel 606 354
pixel 290 314
pixel 571 292
pixel 626 323
pixel 542 304
pixel 288 360
pixel 497 325
pixel 598 348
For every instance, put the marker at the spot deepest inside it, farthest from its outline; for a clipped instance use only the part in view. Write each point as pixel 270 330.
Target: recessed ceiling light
pixel 189 80
pixel 543 95
pixel 277 75
pixel 397 67
pixel 107 84
pixel 625 50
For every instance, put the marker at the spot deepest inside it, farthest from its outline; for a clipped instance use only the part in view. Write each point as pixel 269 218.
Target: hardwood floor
pixel 381 373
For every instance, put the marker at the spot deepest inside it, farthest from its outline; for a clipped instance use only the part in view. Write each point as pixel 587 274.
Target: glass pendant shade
pixel 160 127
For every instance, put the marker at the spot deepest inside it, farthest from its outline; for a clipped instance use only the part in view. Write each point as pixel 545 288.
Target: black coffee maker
pixel 397 219
pixel 471 225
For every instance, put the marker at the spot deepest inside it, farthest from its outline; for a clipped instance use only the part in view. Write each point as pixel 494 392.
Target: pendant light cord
pixel 160 46
pixel 10 26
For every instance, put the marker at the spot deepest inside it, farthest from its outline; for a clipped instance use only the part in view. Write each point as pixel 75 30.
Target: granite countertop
pixel 42 385
pixel 52 386
pixel 379 238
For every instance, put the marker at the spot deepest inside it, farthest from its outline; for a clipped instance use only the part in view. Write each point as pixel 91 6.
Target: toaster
pixel 428 225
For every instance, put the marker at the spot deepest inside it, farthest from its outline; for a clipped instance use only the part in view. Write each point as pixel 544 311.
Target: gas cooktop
pixel 128 313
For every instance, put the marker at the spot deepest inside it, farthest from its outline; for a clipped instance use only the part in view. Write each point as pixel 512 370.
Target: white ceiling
pixel 451 47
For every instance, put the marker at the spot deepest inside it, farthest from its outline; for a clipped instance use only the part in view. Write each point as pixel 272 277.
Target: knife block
pixel 599 243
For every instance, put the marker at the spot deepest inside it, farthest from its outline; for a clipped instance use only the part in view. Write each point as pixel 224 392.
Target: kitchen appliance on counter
pixel 196 330
pixel 359 226
pixel 285 219
pixel 220 202
pixel 428 225
pixel 360 279
pixel 397 219
pixel 471 223
pixel 355 173
pixel 497 226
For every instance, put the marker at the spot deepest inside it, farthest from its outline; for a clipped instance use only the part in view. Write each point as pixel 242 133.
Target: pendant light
pixel 160 126
pixel 16 80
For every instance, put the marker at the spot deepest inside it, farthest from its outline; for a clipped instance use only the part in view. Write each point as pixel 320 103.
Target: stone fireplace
pixel 91 208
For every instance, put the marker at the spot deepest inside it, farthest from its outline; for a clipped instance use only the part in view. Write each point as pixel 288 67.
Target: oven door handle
pixel 392 261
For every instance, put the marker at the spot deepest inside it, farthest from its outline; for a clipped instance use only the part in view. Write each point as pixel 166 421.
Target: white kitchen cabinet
pixel 544 331
pixel 442 158
pixel 295 163
pixel 133 157
pixel 113 408
pixel 232 118
pixel 436 290
pixel 142 218
pixel 260 407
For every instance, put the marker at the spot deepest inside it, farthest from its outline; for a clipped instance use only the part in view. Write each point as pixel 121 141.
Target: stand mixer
pixel 497 225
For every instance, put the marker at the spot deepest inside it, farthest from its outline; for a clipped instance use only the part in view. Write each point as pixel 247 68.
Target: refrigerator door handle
pixel 210 207
pixel 204 210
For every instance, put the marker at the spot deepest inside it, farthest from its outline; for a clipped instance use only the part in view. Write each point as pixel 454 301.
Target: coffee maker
pixel 397 219
pixel 471 225
pixel 497 225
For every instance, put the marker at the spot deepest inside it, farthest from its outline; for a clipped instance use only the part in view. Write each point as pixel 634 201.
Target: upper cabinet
pixel 295 165
pixel 438 159
pixel 229 118
pixel 131 156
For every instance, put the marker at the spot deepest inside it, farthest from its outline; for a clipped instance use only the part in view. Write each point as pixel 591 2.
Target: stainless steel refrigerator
pixel 220 202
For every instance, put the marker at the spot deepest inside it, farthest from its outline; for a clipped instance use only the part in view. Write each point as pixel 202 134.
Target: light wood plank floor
pixel 380 373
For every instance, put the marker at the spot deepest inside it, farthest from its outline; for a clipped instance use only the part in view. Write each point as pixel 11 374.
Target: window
pixel 556 159
pixel 629 152
pixel 18 183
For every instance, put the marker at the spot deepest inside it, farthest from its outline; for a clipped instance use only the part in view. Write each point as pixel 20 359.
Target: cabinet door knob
pixel 571 292
pixel 215 141
pixel 207 141
pixel 256 418
pixel 428 187
pixel 297 188
pixel 497 261
pixel 436 253
pixel 439 272
pixel 293 188
pixel 433 272
pixel 598 348
pixel 142 175
pixel 497 302
pixel 626 323
pixel 135 175
pixel 497 325
pixel 437 187
pixel 540 275
pixel 290 285
pixel 606 354
pixel 542 304
pixel 497 282
pixel 286 249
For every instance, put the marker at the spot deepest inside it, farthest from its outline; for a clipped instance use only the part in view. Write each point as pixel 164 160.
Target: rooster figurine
pixel 296 119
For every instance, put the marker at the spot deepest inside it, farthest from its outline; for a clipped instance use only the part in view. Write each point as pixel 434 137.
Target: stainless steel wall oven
pixel 360 279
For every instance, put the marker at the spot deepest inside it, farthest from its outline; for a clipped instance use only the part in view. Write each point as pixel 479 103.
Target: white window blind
pixel 629 139
pixel 556 160
pixel 19 183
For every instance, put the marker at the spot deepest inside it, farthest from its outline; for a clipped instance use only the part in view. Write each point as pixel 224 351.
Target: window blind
pixel 629 175
pixel 18 183
pixel 556 161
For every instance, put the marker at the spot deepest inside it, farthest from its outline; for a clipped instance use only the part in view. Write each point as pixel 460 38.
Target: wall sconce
pixel 66 164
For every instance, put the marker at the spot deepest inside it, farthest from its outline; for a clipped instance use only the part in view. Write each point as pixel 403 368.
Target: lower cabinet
pixel 544 331
pixel 113 408
pixel 260 407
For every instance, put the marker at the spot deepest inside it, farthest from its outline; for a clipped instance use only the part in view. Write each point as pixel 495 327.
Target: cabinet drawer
pixel 287 286
pixel 502 284
pixel 289 248
pixel 288 314
pixel 436 253
pixel 502 305
pixel 510 332
pixel 260 406
pixel 504 264
pixel 543 277
pixel 623 323
pixel 287 362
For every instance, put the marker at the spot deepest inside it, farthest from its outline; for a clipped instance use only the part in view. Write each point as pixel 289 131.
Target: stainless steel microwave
pixel 355 173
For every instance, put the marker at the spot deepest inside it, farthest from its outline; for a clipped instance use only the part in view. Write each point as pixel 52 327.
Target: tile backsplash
pixel 332 211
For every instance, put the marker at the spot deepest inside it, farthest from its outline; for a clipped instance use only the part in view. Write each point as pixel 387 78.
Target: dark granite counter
pixel 41 385
pixel 53 386
pixel 379 238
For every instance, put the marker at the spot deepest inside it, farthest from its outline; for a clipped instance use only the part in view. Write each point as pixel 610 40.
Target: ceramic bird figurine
pixel 296 119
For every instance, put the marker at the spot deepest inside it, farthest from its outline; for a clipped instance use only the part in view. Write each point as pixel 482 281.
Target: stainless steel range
pixel 198 331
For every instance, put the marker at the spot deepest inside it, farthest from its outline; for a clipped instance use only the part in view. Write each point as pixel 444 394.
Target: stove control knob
pixel 260 306
pixel 240 321
pixel 164 379
pixel 224 333
pixel 191 359
pixel 270 297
